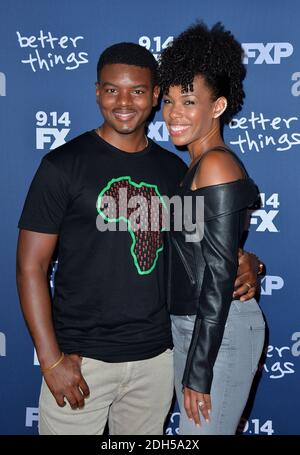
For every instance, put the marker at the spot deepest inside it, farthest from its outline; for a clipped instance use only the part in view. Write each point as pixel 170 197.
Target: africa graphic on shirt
pixel 142 207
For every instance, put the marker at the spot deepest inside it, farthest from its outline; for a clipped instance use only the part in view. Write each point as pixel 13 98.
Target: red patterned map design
pixel 146 233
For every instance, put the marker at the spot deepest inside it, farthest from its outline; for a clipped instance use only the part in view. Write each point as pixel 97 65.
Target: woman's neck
pixel 210 140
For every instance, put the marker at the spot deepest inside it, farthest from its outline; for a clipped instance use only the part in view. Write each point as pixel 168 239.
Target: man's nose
pixel 124 98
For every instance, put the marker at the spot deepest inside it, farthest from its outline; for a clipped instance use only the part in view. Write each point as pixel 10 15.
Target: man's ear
pixel 220 106
pixel 97 91
pixel 155 96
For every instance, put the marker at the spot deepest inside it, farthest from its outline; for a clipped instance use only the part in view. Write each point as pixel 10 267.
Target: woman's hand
pixel 246 283
pixel 196 403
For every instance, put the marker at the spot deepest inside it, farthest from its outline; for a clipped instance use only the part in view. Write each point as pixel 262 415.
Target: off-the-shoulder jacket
pixel 201 273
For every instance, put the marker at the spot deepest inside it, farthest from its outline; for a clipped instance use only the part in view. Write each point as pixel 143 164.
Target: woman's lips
pixel 177 130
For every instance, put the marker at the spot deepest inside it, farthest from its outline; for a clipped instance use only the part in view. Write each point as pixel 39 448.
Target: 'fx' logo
pixel 52 136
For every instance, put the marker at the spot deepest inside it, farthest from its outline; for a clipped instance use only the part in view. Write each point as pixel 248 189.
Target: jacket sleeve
pixel 224 220
pixel 220 253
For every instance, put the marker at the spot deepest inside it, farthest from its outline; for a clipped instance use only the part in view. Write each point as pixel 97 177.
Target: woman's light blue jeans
pixel 233 371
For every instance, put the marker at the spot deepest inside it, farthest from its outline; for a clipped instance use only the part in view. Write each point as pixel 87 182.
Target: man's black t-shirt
pixel 109 299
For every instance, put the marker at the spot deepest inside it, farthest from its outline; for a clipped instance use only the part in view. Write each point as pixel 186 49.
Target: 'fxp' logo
pixel 269 53
pixel 2 344
pixel 271 283
pixel 158 131
pixel 2 84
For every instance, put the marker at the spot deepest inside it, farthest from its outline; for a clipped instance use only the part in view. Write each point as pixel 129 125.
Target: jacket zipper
pixel 185 264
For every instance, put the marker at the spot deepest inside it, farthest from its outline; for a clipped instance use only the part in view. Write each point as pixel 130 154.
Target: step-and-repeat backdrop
pixel 48 55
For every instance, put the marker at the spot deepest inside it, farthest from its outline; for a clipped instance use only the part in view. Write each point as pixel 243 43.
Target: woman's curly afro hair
pixel 214 54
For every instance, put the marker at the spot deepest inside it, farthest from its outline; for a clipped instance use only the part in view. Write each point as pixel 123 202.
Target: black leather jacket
pixel 201 273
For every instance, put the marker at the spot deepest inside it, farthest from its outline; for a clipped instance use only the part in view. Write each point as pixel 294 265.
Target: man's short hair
pixel 128 54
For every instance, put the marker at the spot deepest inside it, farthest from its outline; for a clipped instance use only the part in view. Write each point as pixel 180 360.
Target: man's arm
pixel 34 254
pixel 247 279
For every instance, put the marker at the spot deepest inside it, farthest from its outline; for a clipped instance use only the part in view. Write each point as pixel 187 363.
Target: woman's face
pixel 190 116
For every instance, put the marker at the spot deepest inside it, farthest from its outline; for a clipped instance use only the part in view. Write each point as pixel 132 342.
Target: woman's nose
pixel 175 112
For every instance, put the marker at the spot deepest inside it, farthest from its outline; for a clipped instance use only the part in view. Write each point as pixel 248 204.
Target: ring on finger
pixel 201 404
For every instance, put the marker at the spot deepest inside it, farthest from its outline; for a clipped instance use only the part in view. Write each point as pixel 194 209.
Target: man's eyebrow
pixel 104 83
pixel 140 86
pixel 107 83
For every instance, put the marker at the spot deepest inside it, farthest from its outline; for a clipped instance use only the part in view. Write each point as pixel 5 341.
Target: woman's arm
pixel 219 246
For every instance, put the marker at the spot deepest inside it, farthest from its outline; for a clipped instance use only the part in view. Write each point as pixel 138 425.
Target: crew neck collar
pixel 130 155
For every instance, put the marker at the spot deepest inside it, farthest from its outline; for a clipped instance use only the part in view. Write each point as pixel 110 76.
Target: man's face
pixel 125 95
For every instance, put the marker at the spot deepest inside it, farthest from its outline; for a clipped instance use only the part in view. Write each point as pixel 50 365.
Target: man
pixel 104 346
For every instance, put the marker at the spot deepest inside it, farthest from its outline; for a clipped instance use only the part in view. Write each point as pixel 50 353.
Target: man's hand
pixel 66 381
pixel 196 402
pixel 246 283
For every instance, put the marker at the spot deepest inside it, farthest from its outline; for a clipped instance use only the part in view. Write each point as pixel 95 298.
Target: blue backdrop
pixel 49 51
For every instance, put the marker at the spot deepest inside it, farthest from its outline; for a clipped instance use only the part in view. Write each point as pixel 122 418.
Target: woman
pixel 217 342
